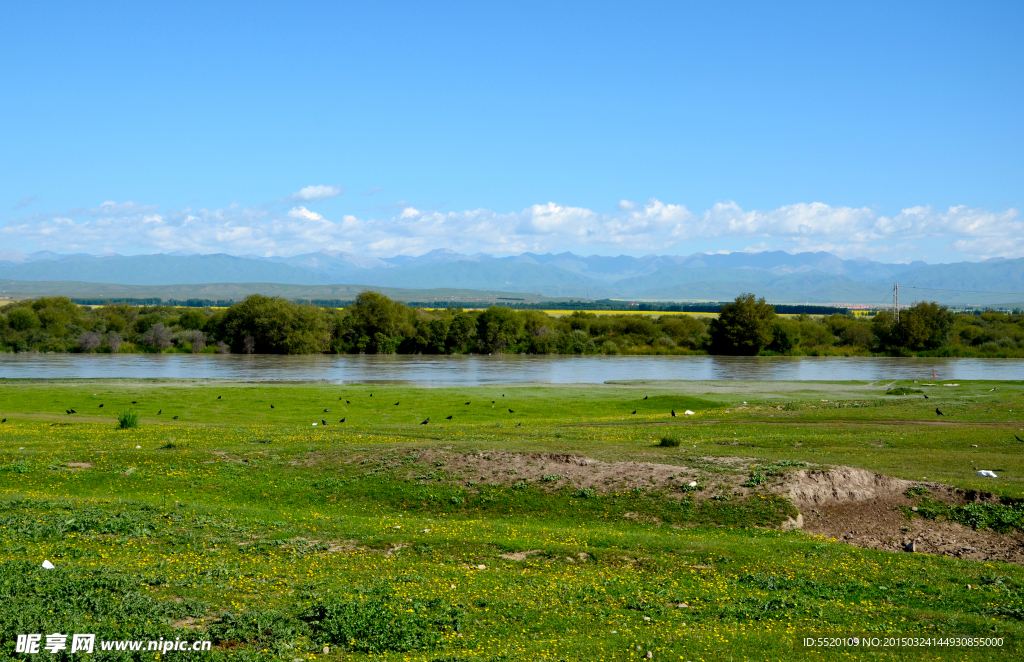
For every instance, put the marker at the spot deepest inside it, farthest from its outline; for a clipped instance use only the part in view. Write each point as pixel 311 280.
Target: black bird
pixel 271 406
pixel 67 411
pixel 645 397
pixel 101 405
pixel 519 425
pixel 3 421
pixel 396 404
pixel 510 411
pixel 175 418
pixel 218 397
pixel 673 412
pixel 469 403
pixel 939 412
pixel 1014 436
pixel 493 401
pixel 448 418
pixel 634 411
pixel 347 402
pixel 926 397
pixel 134 403
pixel 323 422
pixel 371 395
pixel 160 412
pixel 503 395
pixel 342 420
pixel 327 410
pixel 73 411
pixel 426 421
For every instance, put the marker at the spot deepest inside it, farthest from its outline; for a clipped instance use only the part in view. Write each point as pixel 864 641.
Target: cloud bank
pixel 633 228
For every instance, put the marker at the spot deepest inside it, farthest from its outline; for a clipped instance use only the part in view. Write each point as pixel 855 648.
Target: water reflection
pixel 495 369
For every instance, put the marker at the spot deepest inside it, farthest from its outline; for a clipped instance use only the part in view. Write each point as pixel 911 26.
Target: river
pixel 474 369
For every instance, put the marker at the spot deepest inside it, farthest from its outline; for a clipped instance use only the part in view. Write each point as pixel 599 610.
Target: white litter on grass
pixel 47 565
pixel 138 447
pixel 693 483
pixel 985 473
pixel 687 413
pixel 951 385
pixel 314 424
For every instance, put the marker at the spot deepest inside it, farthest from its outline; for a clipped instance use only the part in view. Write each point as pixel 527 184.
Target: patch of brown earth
pixel 580 472
pixel 519 556
pixel 864 508
pixel 79 465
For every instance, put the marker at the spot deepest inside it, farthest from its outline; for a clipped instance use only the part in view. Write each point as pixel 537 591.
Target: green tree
pixel 499 327
pixel 276 326
pixel 924 326
pixel 785 335
pixel 461 333
pixel 192 320
pixel 377 323
pixel 743 327
pixel 23 319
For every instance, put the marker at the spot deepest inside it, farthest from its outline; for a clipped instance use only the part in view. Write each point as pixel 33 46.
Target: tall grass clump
pixel 669 442
pixel 128 420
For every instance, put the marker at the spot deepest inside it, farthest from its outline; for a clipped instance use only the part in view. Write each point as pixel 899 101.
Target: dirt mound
pixel 866 509
pixel 811 487
pixel 556 470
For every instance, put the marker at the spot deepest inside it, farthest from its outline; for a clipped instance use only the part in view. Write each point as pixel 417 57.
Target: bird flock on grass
pixel 426 421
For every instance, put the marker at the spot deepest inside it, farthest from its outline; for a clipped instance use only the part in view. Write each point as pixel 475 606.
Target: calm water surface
pixel 495 369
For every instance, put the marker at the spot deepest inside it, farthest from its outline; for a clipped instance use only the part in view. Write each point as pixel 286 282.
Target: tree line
pixel 375 324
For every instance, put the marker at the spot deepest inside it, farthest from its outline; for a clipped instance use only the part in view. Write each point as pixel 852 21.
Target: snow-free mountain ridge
pixel 813 277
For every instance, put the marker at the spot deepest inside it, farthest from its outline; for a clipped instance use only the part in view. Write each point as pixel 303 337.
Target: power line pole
pixel 896 302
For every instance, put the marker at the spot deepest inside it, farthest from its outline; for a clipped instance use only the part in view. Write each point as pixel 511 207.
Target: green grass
pixel 274 537
pixel 128 419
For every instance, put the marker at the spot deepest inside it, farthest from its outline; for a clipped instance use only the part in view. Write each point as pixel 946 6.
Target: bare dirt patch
pixel 519 556
pixel 75 466
pixel 557 470
pixel 866 509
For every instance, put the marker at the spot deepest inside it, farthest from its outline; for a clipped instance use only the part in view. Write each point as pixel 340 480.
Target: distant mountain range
pixel 778 276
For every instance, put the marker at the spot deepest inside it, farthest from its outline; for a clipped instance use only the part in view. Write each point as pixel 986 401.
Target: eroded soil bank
pixel 854 506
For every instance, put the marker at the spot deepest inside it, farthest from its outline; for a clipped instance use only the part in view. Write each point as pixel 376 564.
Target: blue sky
pixel 888 130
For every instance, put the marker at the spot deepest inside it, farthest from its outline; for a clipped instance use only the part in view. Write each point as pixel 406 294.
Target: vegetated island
pixel 375 324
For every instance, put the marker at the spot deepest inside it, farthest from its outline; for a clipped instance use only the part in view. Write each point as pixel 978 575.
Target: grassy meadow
pixel 243 522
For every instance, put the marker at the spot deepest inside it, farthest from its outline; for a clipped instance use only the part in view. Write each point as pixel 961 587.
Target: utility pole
pixel 896 302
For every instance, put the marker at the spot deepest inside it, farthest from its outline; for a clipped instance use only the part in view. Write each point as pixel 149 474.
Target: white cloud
pixel 315 193
pixel 914 233
pixel 303 213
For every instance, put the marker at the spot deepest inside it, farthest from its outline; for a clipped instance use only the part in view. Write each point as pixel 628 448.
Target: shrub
pixel 114 342
pixel 669 442
pixel 158 336
pixel 756 478
pixel 128 419
pixel 584 493
pixel 90 341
